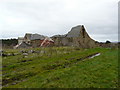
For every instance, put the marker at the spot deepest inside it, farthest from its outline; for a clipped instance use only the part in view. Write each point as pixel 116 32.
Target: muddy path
pixel 18 79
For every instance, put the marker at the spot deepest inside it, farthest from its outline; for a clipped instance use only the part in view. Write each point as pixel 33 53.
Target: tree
pixel 107 42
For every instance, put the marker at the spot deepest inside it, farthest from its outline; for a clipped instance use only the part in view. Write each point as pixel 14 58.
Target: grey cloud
pixel 50 17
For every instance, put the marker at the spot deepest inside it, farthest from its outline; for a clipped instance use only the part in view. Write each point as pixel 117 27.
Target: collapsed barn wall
pixel 36 43
pixel 77 37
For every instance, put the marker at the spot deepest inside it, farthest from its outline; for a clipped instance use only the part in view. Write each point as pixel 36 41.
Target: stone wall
pixel 77 37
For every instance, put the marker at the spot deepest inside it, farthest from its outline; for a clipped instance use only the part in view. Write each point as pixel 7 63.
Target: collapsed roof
pixel 34 36
pixel 75 32
pixel 37 36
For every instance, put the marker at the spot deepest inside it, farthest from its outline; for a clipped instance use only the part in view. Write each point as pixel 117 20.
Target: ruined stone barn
pixel 77 37
pixel 33 40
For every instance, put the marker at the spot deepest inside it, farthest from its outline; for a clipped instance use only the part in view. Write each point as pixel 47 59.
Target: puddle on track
pixel 95 55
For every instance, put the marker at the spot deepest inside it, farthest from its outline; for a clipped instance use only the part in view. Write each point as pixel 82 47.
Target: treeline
pixel 8 43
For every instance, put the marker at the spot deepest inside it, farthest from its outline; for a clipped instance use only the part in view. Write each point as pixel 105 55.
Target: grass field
pixel 61 67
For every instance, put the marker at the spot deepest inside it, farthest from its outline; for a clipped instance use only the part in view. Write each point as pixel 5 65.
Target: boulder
pixel 25 54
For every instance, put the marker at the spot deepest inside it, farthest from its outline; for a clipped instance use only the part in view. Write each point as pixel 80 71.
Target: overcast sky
pixel 51 17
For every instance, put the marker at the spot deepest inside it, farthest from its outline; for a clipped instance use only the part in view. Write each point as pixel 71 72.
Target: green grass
pixel 62 67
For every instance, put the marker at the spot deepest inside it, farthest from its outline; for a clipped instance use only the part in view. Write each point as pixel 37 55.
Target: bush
pixel 108 42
